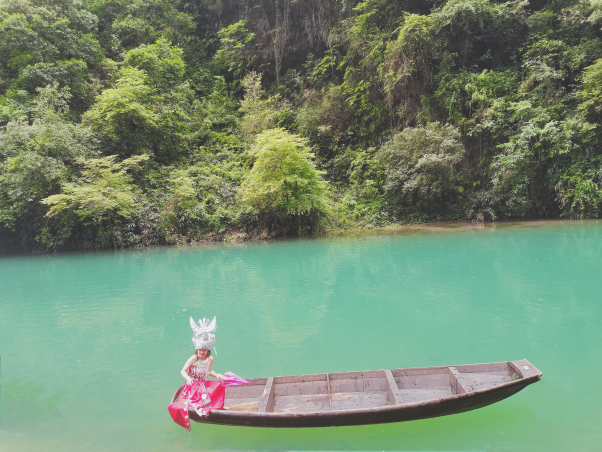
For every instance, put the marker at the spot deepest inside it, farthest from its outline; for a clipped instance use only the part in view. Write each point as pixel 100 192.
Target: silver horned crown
pixel 202 337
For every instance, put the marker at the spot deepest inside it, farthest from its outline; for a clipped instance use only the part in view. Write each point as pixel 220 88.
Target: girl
pixel 198 393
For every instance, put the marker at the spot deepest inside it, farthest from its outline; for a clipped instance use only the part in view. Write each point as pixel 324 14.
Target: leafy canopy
pixel 105 190
pixel 419 163
pixel 162 63
pixel 283 180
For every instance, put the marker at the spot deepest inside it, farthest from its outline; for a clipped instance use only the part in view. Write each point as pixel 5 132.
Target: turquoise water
pixel 92 343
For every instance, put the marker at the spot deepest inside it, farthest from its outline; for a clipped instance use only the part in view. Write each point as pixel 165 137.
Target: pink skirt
pixel 201 396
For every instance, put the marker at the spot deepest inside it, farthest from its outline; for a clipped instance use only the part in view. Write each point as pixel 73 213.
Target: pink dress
pixel 201 396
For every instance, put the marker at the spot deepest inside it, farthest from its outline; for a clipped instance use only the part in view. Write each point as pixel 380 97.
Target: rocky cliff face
pixel 285 30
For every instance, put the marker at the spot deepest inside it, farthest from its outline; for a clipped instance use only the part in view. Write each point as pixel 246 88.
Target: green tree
pixel 126 24
pixel 38 33
pixel 419 164
pixel 35 156
pixel 407 57
pixel 284 189
pixel 151 109
pixel 536 155
pixel 258 112
pixel 66 73
pixel 202 198
pixel 235 54
pixel 104 191
pixel 579 189
pixel 123 116
pixel 591 93
pixel 162 63
pixel 104 201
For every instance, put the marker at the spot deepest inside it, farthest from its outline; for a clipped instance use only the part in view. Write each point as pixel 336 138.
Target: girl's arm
pixel 213 374
pixel 184 371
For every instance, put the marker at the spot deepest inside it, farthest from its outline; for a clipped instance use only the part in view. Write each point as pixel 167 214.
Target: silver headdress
pixel 202 337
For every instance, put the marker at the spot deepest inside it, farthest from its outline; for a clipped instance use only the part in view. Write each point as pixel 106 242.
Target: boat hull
pixel 457 403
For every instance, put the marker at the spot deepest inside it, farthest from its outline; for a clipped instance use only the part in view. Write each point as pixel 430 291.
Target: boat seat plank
pixel 392 389
pixel 524 368
pixel 329 393
pixel 267 400
pixel 456 381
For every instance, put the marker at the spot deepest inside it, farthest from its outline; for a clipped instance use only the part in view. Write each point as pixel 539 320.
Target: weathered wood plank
pixel 455 381
pixel 362 385
pixel 300 378
pixel 392 389
pixel 423 381
pixel 507 372
pixel 488 377
pixel 358 400
pixel 356 375
pixel 481 367
pixel 267 400
pixel 301 388
pixel 243 405
pixel 525 368
pixel 426 394
pixel 329 393
pixel 419 371
pixel 312 403
pixel 245 391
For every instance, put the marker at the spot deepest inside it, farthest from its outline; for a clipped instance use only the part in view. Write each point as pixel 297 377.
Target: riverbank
pixel 240 237
pixel 455 225
pixel 435 227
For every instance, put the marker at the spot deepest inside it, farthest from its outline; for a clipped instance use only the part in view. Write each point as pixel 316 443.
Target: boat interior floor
pixel 368 389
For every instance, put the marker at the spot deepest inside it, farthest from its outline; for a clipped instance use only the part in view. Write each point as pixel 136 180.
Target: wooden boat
pixel 369 397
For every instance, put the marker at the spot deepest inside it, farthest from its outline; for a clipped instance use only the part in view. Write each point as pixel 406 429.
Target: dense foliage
pixel 133 122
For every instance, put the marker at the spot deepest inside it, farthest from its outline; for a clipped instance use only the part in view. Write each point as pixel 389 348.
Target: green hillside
pixel 141 122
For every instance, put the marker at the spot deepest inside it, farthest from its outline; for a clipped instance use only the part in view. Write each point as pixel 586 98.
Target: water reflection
pixel 92 343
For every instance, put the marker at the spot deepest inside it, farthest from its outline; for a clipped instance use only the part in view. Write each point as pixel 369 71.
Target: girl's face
pixel 202 354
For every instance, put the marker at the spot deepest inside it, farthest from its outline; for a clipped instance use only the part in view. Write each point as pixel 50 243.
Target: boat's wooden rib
pixel 266 405
pixel 329 393
pixel 455 380
pixel 393 390
pixel 369 397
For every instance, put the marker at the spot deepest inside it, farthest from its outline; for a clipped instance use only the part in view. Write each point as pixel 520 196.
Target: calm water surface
pixel 92 343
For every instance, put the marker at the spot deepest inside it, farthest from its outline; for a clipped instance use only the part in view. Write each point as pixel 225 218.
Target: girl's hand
pixel 188 381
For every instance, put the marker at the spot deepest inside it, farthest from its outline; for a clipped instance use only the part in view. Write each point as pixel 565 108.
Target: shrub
pixel 419 164
pixel 284 189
